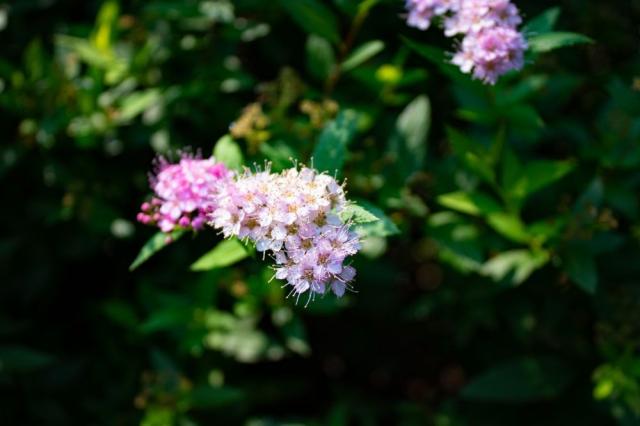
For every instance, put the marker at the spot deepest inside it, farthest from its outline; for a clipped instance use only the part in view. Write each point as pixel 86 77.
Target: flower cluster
pixel 294 215
pixel 184 193
pixel 491 46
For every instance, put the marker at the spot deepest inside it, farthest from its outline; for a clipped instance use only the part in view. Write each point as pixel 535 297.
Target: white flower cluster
pixel 294 215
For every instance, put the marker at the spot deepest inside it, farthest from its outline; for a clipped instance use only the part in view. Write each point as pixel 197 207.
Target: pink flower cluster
pixel 491 46
pixel 184 193
pixel 294 215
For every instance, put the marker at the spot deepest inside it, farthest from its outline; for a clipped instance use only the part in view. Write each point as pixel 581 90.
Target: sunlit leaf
pixel 546 42
pixel 510 226
pixel 357 214
pixel 517 265
pixel 362 54
pixel 226 253
pixel 472 203
pixel 228 152
pixel 408 144
pixel 156 243
pixel 136 103
pixel 381 226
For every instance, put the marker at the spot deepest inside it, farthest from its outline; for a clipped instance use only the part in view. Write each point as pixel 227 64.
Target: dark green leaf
pixel 320 57
pixel 581 268
pixel 521 380
pixel 331 150
pixel 543 23
pixel 214 397
pixel 314 17
pixel 20 359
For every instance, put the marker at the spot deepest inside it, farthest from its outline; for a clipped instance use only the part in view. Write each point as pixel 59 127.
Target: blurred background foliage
pixel 501 288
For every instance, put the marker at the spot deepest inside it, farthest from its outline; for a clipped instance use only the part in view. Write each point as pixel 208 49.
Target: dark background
pixel 85 341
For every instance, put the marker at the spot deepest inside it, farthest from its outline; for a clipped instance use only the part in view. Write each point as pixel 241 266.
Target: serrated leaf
pixel 156 243
pixel 544 22
pixel 520 380
pixel 331 150
pixel 380 226
pixel 408 144
pixel 555 40
pixel 226 253
pixel 362 54
pixel 229 153
pixel 356 214
pixel 476 204
pixel 314 17
pixel 320 57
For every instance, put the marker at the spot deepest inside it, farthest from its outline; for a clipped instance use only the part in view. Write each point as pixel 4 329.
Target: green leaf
pixel 555 40
pixel 331 150
pixel 357 214
pixel 476 204
pixel 85 50
pixel 362 54
pixel 314 17
pixel 228 152
pixel 121 313
pixel 436 56
pixel 212 397
pixel 226 253
pixel 155 244
pixel 320 57
pixel 171 317
pixel 520 182
pixel 510 226
pixel 373 223
pixel 544 22
pixel 408 144
pixel 136 103
pixel 517 265
pixel 580 265
pixel 520 380
pixel 20 359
